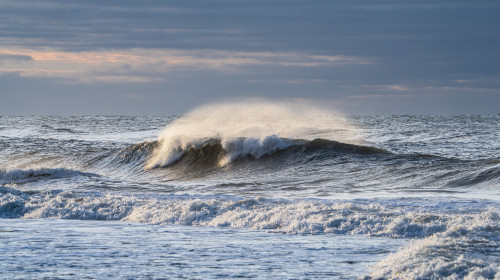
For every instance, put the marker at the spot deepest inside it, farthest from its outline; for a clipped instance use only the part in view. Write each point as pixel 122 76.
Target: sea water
pixel 253 190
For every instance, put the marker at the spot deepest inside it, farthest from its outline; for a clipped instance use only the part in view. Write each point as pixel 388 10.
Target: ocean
pixel 261 190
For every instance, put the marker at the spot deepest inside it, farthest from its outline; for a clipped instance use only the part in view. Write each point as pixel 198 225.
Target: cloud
pixel 387 87
pixel 194 51
pixel 397 87
pixel 10 56
pixel 378 96
pixel 464 89
pixel 149 65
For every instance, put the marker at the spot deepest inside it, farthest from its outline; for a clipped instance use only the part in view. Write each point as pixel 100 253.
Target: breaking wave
pixel 451 244
pixel 387 218
pixel 248 128
pixel 215 152
pixel 213 156
pixel 469 248
pixel 449 239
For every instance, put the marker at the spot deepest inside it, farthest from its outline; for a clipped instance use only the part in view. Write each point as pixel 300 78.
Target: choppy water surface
pixel 287 191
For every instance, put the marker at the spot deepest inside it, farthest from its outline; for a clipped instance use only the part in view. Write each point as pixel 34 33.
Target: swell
pixel 18 176
pixel 487 174
pixel 60 129
pixel 245 157
pixel 131 158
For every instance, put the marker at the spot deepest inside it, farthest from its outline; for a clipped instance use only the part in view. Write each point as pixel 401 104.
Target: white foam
pixel 467 249
pixel 249 128
pixel 297 216
pixel 460 244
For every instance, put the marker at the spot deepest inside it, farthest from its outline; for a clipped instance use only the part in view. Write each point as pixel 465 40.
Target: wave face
pixel 244 129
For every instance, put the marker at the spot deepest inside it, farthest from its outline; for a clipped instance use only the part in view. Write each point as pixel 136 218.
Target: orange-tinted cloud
pixel 146 65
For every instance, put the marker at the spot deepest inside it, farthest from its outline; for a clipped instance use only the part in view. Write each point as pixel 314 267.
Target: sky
pixel 160 57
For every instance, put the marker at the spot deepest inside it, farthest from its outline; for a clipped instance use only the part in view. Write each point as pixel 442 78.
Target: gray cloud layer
pixel 362 56
pixel 5 57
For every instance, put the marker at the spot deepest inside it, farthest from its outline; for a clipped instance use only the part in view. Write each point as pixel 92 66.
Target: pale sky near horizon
pixel 165 57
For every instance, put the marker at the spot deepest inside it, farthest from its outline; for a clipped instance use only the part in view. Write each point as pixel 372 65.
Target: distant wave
pixel 31 175
pixel 67 130
pixel 484 175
